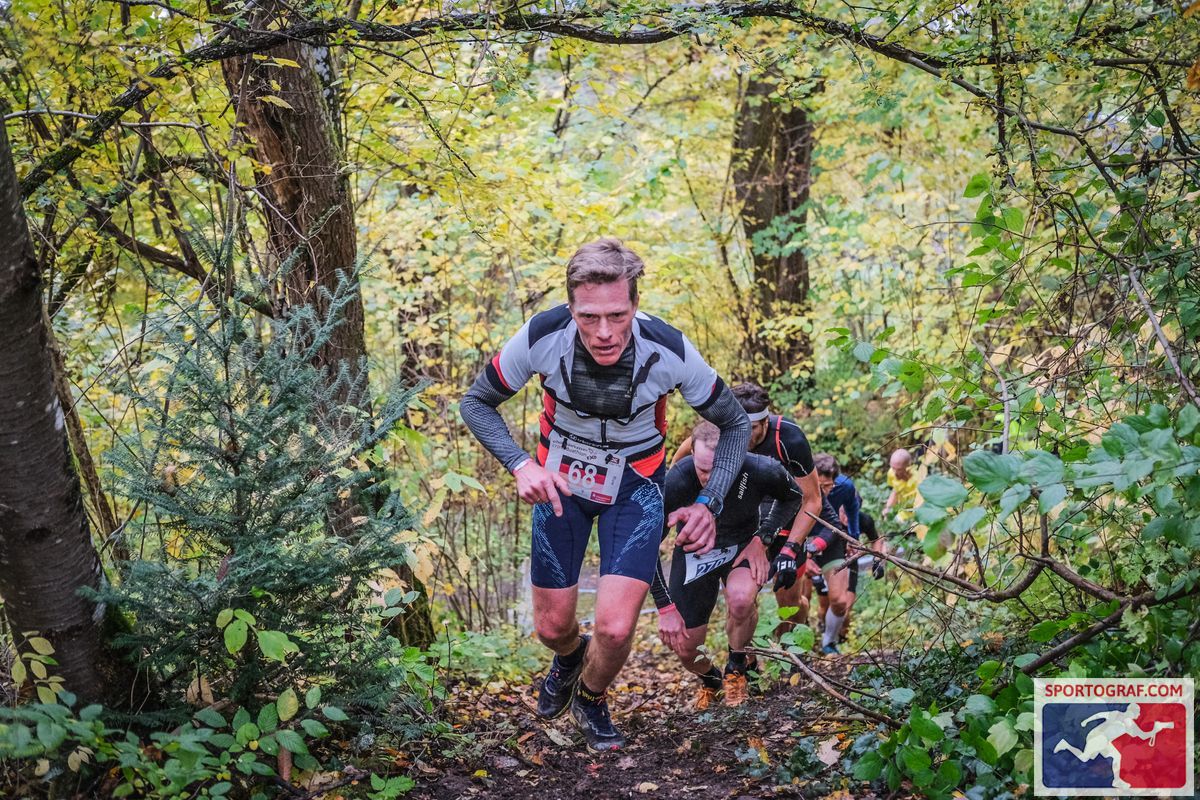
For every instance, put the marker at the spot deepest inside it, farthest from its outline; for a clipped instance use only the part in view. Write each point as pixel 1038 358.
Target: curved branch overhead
pixel 678 20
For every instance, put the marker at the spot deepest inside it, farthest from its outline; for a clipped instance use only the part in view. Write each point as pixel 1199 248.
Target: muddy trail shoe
pixel 559 686
pixel 830 650
pixel 705 697
pixel 594 720
pixel 736 692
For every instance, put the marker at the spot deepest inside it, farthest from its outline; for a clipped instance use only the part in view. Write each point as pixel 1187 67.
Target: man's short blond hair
pixel 605 260
pixel 707 433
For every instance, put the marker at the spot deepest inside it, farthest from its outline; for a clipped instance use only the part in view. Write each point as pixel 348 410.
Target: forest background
pixel 265 247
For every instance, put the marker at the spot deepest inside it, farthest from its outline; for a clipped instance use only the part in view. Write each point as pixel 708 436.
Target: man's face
pixel 758 432
pixel 825 482
pixel 702 460
pixel 604 314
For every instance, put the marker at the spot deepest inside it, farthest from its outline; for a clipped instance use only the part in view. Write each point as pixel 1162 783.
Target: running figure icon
pixel 1099 742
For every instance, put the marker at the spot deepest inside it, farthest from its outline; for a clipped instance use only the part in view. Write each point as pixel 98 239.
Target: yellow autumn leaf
pixel 276 101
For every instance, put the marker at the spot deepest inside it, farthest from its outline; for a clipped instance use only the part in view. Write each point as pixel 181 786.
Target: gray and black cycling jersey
pixel 630 401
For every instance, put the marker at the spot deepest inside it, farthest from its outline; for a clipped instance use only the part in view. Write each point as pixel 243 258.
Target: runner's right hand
pixel 784 567
pixel 535 484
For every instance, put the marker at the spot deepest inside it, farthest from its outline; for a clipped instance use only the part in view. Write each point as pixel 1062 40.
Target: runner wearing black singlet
pixel 686 601
pixel 782 440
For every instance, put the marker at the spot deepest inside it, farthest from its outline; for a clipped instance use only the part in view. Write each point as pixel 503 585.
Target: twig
pixel 819 680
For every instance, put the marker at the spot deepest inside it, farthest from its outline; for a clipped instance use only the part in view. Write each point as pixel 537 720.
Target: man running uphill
pixel 606 371
pixel 738 559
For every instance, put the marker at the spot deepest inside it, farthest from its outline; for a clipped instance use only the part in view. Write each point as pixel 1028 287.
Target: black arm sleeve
pixel 726 413
pixel 778 484
pixel 478 411
pixel 678 492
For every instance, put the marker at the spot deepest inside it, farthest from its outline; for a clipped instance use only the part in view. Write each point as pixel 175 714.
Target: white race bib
pixel 699 566
pixel 592 472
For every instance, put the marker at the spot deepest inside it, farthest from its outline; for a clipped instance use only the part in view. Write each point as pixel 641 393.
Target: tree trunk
pixel 773 146
pixel 291 114
pixel 46 551
pixel 303 185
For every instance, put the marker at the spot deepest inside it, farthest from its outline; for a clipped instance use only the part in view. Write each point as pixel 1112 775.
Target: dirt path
pixel 672 751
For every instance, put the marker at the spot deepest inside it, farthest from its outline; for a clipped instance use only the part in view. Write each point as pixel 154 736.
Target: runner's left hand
pixel 671 628
pixel 699 530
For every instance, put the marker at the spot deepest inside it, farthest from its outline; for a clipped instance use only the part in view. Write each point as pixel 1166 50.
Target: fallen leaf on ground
pixel 558 738
pixel 646 787
pixel 828 753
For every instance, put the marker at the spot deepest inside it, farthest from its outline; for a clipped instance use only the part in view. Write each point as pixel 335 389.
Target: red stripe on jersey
pixel 648 465
pixel 499 372
pixel 546 418
pixel 660 415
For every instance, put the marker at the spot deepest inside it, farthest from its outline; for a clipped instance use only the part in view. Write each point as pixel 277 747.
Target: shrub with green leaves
pixel 263 516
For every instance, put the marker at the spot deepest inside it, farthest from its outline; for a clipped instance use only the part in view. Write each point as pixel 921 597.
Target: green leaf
pixel 988 669
pixel 247 732
pixel 312 698
pixel 1120 439
pixel 863 351
pixel 1002 736
pixel 268 745
pixel 977 185
pixel 245 616
pixel 291 740
pixel 224 617
pixel 869 767
pixel 1012 499
pixel 901 695
pixel 967 520
pixel 980 704
pixel 915 759
pixel 989 472
pixel 1050 496
pixel 1023 762
pixel 1014 219
pixel 41 646
pixel 1041 468
pixel 1045 630
pixel 925 727
pixel 314 728
pixel 334 714
pixel 275 645
pixel 235 635
pixel 268 718
pixel 1187 421
pixel 19 674
pixel 287 705
pixel 801 638
pixel 787 612
pixel 927 514
pixel 210 718
pixel 943 491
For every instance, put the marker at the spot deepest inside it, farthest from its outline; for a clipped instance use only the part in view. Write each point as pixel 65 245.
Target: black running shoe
pixel 559 686
pixel 593 719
